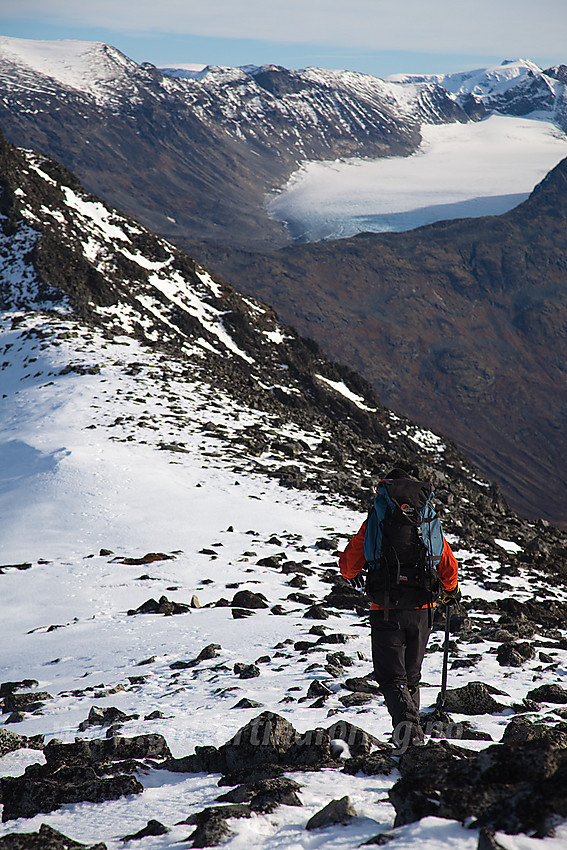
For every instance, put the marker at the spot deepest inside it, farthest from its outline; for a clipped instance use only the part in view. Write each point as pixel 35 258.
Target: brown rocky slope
pixel 461 325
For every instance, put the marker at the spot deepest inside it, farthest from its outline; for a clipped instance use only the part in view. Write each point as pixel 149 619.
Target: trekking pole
pixel 443 692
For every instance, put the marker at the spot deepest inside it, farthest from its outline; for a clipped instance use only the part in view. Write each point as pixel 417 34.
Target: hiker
pixel 407 560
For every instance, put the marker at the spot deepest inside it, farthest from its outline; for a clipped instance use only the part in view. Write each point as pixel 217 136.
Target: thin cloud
pixel 515 27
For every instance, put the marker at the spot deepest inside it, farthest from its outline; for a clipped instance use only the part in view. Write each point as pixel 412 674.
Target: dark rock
pixel 513 786
pixel 211 833
pixel 549 693
pixel 515 654
pixel 527 706
pixel 272 561
pixel 380 840
pixel 278 610
pixel 25 702
pixel 248 599
pixel 105 717
pixel 46 838
pixel 439 724
pixel 27 795
pixel 371 765
pixel 521 729
pixel 209 651
pixel 359 742
pixel 116 748
pixel 487 841
pixel 16 717
pixel 10 687
pixel 304 645
pixel 264 740
pixel 346 598
pixel 337 811
pixel 363 685
pixel 325 543
pixel 316 612
pixel 246 776
pixel 264 795
pixel 340 659
pixel 318 689
pixel 153 827
pixel 150 558
pixel 247 671
pixel 204 760
pixel 301 598
pixel 241 613
pixel 424 780
pixel 549 613
pixel 312 749
pixel 10 741
pixel 335 638
pixel 238 810
pixel 247 703
pixel 350 700
pixel 164 606
pixel 474 698
pixel 298 582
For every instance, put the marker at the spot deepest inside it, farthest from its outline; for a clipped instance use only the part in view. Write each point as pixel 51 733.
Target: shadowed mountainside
pixel 461 324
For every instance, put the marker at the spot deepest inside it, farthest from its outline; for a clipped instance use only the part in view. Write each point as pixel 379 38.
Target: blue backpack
pixel 403 544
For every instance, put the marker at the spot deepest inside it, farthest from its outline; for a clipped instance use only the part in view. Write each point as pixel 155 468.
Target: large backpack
pixel 403 544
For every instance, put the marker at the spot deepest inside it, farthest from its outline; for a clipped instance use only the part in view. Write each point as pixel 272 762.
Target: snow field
pixel 460 170
pixel 65 623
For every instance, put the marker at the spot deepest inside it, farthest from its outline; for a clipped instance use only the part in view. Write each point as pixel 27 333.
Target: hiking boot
pixel 406 735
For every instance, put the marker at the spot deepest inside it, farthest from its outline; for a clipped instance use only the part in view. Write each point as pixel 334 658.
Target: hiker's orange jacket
pixel 352 561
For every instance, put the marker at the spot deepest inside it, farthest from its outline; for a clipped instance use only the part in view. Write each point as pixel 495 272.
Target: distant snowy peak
pixel 478 81
pixel 92 68
pixel 496 79
pixel 515 87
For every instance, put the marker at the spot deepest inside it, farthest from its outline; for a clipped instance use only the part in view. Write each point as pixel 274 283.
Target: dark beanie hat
pixel 397 472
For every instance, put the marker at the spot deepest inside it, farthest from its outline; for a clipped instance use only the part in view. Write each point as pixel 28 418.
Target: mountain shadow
pixel 461 324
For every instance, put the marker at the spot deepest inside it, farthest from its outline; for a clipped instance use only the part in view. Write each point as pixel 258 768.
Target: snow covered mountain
pixel 221 138
pixel 217 143
pixel 516 87
pixel 178 471
pixel 194 156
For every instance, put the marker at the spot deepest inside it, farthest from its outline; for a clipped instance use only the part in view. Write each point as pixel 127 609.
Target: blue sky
pixel 379 37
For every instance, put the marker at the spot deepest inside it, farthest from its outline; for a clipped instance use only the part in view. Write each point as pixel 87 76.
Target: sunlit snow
pixel 460 170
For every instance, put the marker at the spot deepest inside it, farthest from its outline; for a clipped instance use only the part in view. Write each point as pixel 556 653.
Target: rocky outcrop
pixel 91 771
pixel 46 838
pixel 513 787
pixel 337 811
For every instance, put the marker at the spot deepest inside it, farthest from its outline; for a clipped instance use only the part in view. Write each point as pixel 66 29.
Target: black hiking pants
pixel 398 647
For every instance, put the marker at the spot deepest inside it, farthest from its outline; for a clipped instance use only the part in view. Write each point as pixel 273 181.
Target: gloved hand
pixel 359 581
pixel 450 597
